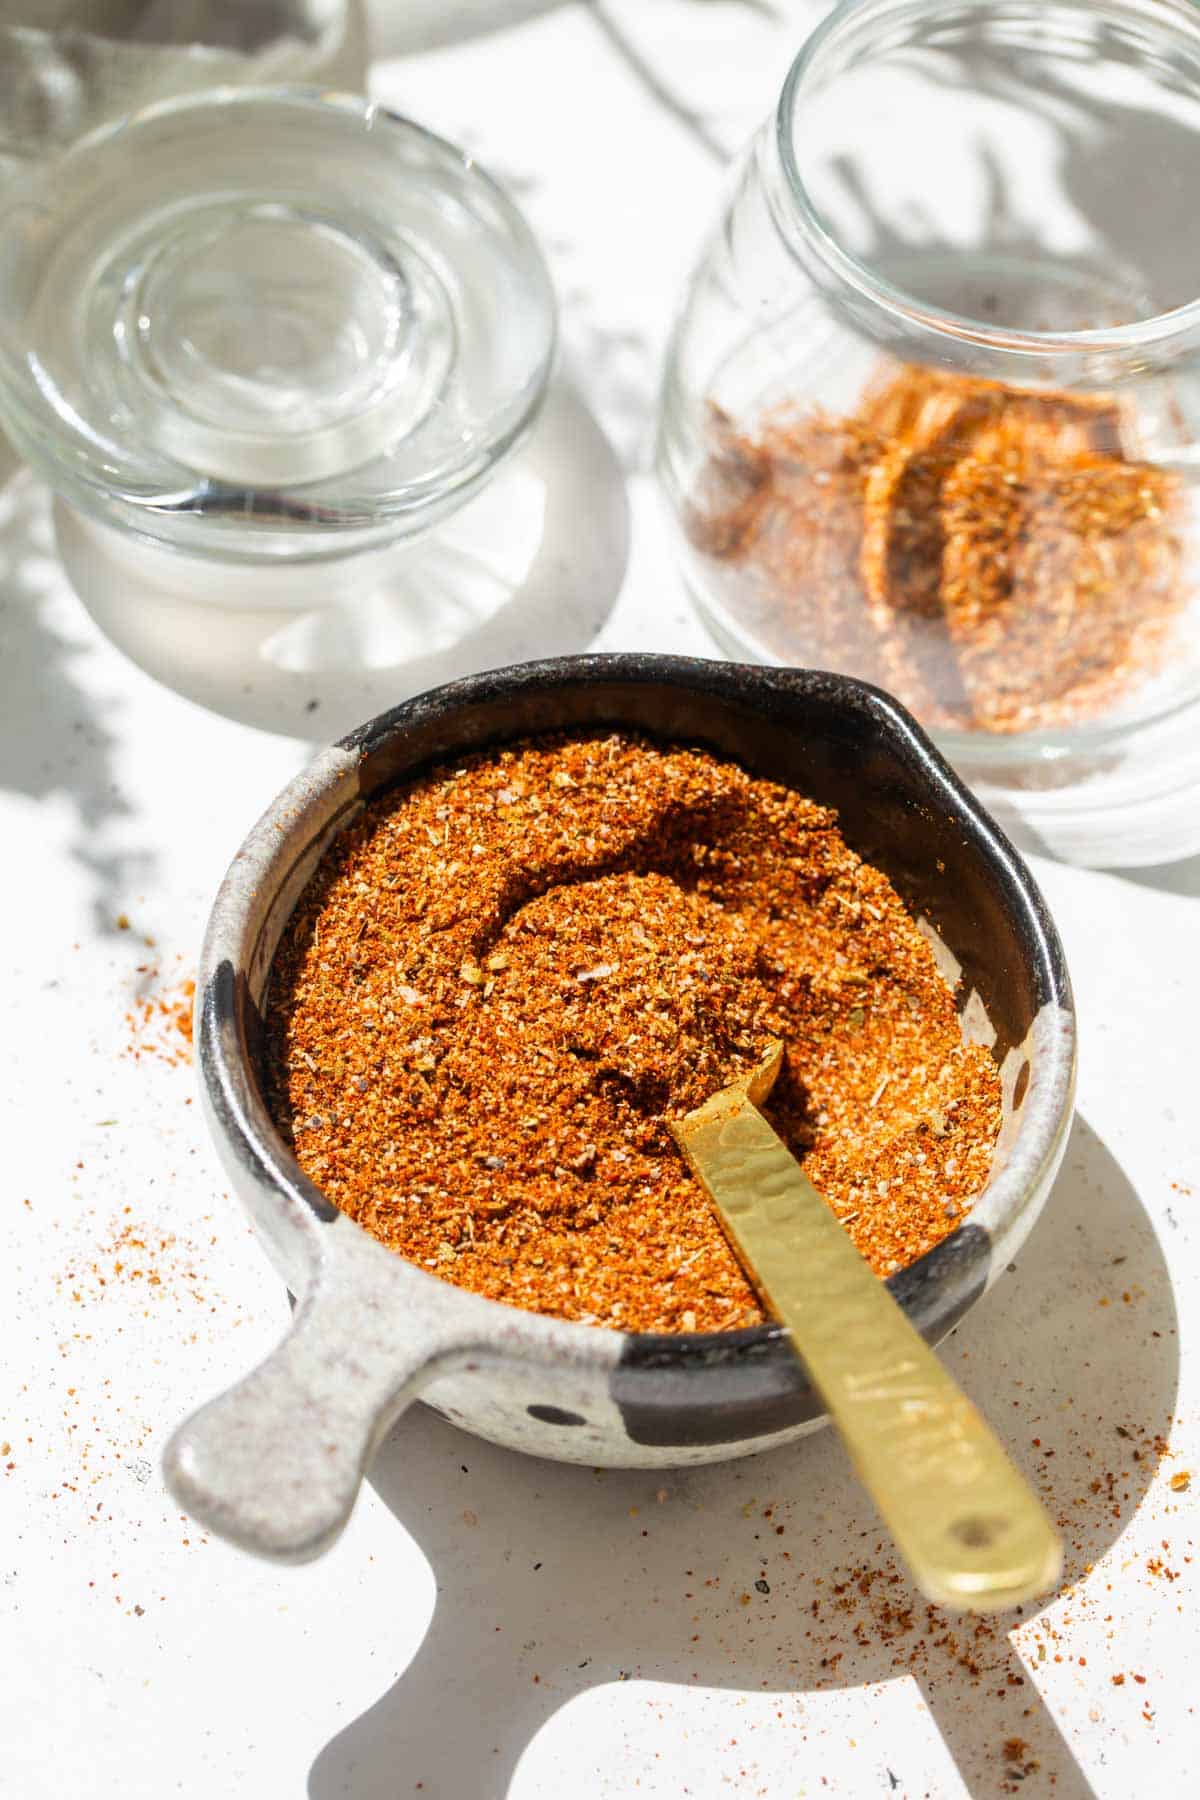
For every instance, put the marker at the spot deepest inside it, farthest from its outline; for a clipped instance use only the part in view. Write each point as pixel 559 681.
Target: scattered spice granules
pixel 160 1021
pixel 130 1253
pixel 507 975
pixel 995 556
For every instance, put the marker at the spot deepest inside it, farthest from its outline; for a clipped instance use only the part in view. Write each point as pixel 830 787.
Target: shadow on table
pixel 543 1572
pixel 423 25
pixel 529 567
pixel 56 736
pixel 1167 878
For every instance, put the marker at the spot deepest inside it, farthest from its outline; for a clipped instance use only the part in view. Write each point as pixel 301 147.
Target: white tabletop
pixel 491 1625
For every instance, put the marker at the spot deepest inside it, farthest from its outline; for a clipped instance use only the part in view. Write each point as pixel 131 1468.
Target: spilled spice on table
pixel 506 976
pixel 999 558
pixel 159 1020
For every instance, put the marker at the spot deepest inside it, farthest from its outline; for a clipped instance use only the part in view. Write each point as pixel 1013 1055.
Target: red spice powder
pixel 160 1021
pixel 507 976
pixel 999 558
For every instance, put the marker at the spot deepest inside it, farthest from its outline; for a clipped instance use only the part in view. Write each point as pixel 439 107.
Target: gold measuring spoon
pixel 968 1525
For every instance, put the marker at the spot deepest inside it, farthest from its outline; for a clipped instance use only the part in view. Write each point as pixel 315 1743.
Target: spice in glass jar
pixel 507 975
pixel 998 558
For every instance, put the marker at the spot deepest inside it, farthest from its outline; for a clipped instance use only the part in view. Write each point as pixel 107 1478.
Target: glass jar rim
pixel 305 520
pixel 906 309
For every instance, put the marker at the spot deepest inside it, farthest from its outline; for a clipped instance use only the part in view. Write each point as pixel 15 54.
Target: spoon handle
pixel 972 1532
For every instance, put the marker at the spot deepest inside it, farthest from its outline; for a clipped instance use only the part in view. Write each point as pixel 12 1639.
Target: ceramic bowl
pixel 275 1464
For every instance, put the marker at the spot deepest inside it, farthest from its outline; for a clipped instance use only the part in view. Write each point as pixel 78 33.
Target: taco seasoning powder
pixel 507 975
pixel 1001 559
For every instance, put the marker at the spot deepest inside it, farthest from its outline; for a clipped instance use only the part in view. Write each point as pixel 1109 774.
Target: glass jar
pixel 260 342
pixel 931 413
pixel 268 324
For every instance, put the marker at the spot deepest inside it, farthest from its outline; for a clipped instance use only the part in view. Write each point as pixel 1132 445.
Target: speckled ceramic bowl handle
pixel 275 1463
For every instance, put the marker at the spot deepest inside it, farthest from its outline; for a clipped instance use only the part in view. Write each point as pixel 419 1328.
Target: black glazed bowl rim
pixel 935 1291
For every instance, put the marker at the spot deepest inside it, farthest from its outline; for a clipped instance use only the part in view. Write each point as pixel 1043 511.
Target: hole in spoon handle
pixel 965 1520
